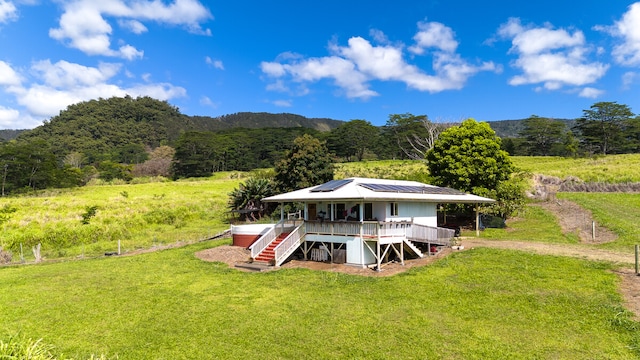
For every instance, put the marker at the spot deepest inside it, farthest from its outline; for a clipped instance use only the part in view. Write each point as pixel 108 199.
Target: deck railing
pixel 289 245
pixel 263 242
pixel 375 229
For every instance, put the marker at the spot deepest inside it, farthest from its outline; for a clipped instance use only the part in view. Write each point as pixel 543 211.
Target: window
pixel 394 208
pixel 368 211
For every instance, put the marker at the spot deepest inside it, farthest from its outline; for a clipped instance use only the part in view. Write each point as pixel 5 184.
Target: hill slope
pixel 99 127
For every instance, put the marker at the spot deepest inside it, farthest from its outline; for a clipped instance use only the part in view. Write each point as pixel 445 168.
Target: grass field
pixel 608 169
pixel 616 211
pixel 477 304
pixel 138 215
pixel 532 224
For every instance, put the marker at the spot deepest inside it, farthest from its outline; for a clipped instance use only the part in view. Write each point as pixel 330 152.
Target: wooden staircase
pixel 268 254
pixel 413 248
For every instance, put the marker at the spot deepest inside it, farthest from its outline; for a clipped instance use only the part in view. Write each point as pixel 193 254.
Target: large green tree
pixel 602 127
pixel 352 139
pixel 542 136
pixel 469 158
pixel 307 163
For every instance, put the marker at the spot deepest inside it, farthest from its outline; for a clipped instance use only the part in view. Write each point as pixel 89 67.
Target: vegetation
pixel 91 220
pixel 307 163
pixel 474 304
pixel 618 212
pixel 533 223
pixel 246 199
pixel 609 128
pixel 469 158
pixel 608 169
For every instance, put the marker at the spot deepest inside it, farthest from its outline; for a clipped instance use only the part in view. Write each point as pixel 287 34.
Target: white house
pixel 360 221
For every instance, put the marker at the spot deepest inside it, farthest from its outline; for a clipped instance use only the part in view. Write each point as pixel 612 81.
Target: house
pixel 361 222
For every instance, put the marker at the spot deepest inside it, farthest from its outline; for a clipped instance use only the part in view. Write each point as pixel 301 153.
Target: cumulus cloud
pixel 52 87
pixel 83 24
pixel 353 67
pixel 591 93
pixel 628 29
pixel 8 76
pixel 552 57
pixel 8 11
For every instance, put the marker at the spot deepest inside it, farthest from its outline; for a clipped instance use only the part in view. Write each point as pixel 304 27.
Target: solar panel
pixel 331 185
pixel 412 189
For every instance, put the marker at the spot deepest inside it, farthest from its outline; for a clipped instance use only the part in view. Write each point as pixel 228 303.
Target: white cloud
pixel 8 116
pixel 8 11
pixel 553 58
pixel 83 24
pixel 134 26
pixel 217 64
pixel 8 76
pixel 628 28
pixel 206 101
pixel 283 103
pixel 52 87
pixel 628 79
pixel 354 66
pixel 434 35
pixel 590 93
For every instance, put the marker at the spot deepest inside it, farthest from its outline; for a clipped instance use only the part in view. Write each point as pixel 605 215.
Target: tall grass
pixel 481 303
pixel 138 215
pixel 604 169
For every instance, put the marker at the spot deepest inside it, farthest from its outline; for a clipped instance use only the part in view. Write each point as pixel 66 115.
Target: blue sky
pixel 449 60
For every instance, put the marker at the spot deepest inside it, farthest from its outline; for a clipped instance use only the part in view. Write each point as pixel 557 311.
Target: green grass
pixel 140 216
pixel 477 304
pixel 532 224
pixel 608 169
pixel 383 169
pixel 616 211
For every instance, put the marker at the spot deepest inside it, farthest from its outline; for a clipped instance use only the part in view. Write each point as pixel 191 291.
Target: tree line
pixel 123 138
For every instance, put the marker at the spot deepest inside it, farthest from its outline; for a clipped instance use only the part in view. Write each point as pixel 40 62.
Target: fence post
pixel 637 246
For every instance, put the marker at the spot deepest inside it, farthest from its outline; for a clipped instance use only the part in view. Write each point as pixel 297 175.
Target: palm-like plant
pixel 247 198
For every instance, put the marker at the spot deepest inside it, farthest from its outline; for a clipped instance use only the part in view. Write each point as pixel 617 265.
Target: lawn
pixel 618 212
pixel 482 304
pixel 533 223
pixel 139 215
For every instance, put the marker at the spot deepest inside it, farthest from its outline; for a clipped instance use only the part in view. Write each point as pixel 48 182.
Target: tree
pixel 247 198
pixel 402 127
pixel 469 158
pixel 307 163
pixel 542 134
pixel 353 139
pixel 602 127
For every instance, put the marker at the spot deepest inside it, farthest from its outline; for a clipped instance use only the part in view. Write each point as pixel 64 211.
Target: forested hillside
pixel 6 135
pixel 251 120
pixel 98 127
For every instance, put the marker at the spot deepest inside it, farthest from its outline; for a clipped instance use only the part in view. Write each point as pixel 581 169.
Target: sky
pixel 347 59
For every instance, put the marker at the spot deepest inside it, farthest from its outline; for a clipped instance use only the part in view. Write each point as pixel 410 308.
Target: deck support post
pixel 477 221
pixel 378 257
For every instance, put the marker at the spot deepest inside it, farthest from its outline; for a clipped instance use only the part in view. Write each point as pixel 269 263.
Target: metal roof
pixel 366 189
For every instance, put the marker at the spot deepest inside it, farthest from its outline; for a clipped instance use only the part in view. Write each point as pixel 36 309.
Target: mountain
pixel 251 120
pixel 97 128
pixel 6 135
